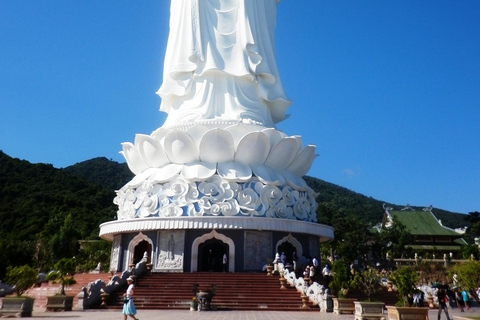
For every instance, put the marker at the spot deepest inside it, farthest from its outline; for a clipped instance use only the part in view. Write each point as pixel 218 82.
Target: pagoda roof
pixel 422 222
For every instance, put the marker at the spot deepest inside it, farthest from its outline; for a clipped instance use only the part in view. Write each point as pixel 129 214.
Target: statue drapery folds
pixel 220 63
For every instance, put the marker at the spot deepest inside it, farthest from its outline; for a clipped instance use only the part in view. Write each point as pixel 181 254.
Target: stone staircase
pixel 47 289
pixel 235 291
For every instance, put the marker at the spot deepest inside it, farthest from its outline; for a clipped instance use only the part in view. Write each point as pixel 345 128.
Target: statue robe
pixel 220 63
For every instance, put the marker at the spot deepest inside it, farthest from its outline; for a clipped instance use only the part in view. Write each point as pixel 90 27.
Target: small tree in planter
pixel 22 278
pixel 63 275
pixel 368 281
pixel 342 281
pixel 342 278
pixel 405 278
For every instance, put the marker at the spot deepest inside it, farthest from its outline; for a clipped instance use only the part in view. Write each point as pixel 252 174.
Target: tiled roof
pixel 422 223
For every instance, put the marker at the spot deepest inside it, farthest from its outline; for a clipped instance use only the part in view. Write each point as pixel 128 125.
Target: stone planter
pixel 369 310
pixel 59 303
pixel 305 301
pixel 343 305
pixel 269 270
pixel 17 306
pixel 404 313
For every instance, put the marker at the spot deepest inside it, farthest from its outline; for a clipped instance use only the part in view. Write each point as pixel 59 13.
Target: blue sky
pixel 388 91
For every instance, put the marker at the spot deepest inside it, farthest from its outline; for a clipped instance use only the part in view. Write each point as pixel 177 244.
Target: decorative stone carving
pixel 215 197
pixel 258 248
pixel 115 256
pixel 170 250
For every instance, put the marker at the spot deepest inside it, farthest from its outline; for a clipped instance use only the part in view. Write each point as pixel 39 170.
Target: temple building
pixel 429 237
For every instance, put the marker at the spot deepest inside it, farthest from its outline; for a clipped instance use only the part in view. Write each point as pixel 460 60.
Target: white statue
pixel 220 64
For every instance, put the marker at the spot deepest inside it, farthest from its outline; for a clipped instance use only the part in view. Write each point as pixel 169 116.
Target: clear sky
pixel 388 91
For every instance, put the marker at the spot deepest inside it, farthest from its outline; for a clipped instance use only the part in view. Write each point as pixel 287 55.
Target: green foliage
pixel 471 250
pixel 474 219
pixel 342 278
pixel 405 278
pixel 45 211
pixel 368 280
pixel 333 198
pixel 349 243
pixel 468 274
pixel 92 253
pixel 393 240
pixel 22 277
pixel 109 174
pixel 63 274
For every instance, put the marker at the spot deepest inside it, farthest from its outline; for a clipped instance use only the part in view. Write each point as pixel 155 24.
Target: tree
pixel 368 280
pixel 349 243
pixel 405 278
pixel 92 253
pixel 342 278
pixel 22 278
pixel 468 275
pixel 393 240
pixel 63 274
pixel 474 219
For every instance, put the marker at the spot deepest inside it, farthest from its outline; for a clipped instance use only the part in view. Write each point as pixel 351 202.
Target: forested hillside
pixel 44 211
pixel 109 174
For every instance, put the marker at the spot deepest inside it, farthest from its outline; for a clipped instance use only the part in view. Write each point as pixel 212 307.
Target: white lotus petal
pixel 140 178
pixel 234 171
pixel 294 181
pixel 268 175
pixel 299 142
pixel 166 173
pixel 197 132
pixel 282 154
pixel 151 150
pixel 303 161
pixel 135 162
pixel 216 146
pixel 253 148
pixel 198 171
pixel 180 147
pixel 160 134
pixel 274 135
pixel 238 131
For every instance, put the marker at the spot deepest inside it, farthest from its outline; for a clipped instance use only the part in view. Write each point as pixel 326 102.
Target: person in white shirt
pixel 128 306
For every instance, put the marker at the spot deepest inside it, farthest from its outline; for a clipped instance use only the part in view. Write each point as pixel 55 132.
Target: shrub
pixel 22 278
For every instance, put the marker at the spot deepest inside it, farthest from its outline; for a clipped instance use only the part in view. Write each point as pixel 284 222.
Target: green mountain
pixel 44 211
pixel 107 173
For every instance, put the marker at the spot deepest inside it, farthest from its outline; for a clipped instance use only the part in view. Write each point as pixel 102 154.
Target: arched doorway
pixel 287 248
pixel 140 250
pixel 210 255
pixel 195 264
pixel 288 245
pixel 136 249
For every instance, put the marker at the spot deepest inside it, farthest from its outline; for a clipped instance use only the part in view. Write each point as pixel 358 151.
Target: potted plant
pixel 22 278
pixel 342 282
pixel 63 274
pixel 405 279
pixel 368 280
pixel 194 304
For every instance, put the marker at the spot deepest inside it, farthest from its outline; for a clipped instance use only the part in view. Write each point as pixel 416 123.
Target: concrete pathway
pixel 223 315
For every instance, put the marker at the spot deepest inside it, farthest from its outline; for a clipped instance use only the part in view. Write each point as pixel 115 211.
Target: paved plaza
pixel 223 315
